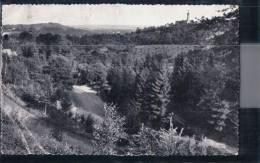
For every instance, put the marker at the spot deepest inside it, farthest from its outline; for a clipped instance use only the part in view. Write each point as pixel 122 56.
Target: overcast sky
pixel 105 14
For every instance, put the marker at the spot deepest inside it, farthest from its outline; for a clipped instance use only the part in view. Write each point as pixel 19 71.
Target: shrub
pixel 171 142
pixel 109 132
pixel 56 134
pixel 145 142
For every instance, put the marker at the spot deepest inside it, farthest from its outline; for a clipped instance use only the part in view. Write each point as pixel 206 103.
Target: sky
pixel 106 14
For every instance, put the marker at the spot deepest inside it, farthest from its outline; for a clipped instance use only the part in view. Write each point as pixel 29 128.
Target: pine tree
pixel 141 94
pixel 159 96
pixel 218 110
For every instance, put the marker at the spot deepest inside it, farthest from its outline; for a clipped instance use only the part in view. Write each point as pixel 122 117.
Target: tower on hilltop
pixel 188 16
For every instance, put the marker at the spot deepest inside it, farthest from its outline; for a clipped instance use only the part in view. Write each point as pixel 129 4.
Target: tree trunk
pixel 45 109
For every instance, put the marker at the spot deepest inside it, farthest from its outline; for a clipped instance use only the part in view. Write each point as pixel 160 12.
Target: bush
pixel 109 132
pixel 144 142
pixel 171 142
pixel 56 134
pixel 57 147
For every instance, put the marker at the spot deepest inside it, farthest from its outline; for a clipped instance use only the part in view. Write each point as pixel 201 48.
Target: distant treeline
pixel 194 32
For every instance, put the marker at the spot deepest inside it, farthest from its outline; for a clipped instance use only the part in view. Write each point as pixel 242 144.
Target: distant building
pixel 182 22
pixel 103 49
pixel 188 16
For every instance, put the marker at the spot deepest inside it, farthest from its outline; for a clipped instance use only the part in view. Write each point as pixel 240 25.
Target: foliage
pixel 93 74
pixel 89 124
pixel 159 96
pixel 65 97
pixel 48 38
pixel 140 94
pixel 200 84
pixel 60 70
pixel 27 51
pixel 109 132
pixel 201 89
pixel 171 142
pixel 56 134
pixel 13 70
pixel 121 79
pixel 144 142
pixel 25 36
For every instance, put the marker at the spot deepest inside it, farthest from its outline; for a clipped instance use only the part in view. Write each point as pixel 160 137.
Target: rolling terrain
pixel 26 131
pixel 111 90
pixel 54 28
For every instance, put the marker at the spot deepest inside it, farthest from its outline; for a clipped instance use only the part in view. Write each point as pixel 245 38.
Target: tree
pixel 14 70
pixel 114 78
pixel 187 88
pixel 48 38
pixel 5 37
pixel 109 132
pixel 141 92
pixel 159 96
pixel 59 69
pixel 25 36
pixel 214 107
pixel 27 51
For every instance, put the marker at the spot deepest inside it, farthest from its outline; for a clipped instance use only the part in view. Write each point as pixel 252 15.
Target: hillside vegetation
pixel 173 88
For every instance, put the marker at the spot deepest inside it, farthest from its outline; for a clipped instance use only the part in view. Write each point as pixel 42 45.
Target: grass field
pixel 86 102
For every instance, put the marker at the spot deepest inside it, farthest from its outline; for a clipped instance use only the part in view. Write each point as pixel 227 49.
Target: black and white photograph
pixel 122 80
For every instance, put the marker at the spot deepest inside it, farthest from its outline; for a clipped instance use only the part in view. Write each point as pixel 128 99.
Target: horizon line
pixel 141 25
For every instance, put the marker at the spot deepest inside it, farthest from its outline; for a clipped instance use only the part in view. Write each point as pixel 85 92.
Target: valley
pixel 166 90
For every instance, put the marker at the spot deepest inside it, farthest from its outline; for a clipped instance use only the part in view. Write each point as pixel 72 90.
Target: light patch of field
pixel 83 89
pixel 85 100
pixel 86 103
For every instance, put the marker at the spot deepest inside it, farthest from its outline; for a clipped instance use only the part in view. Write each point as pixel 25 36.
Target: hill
pixel 54 28
pixel 109 29
pixel 32 132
